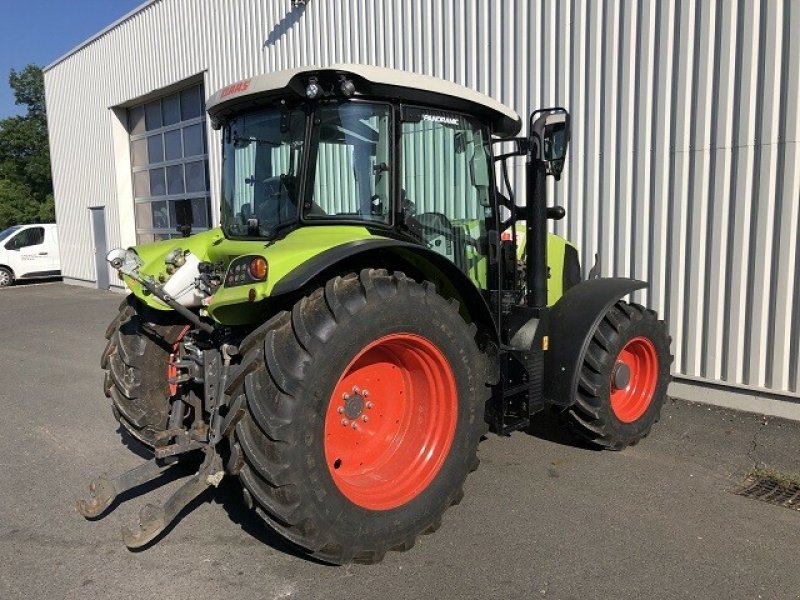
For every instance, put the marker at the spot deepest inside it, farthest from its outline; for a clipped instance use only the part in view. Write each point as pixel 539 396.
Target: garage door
pixel 169 156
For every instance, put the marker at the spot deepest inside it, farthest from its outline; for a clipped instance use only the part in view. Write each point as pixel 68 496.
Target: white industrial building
pixel 684 166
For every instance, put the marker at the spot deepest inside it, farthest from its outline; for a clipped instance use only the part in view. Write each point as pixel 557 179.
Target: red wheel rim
pixel 391 421
pixel 631 398
pixel 172 370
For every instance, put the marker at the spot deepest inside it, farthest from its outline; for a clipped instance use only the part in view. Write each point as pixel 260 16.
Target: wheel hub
pixel 354 405
pixel 382 454
pixel 621 376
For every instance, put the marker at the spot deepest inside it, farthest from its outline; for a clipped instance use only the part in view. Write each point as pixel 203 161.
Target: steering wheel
pixel 436 223
pixel 276 188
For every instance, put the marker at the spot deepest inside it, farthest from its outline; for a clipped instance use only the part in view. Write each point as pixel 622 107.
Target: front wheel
pixel 364 410
pixel 6 277
pixel 623 378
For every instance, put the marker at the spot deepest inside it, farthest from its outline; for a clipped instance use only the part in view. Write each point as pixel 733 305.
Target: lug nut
pixel 340 410
pixel 355 389
pixel 345 422
pixel 344 395
pixel 354 425
pixel 365 418
pixel 365 393
pixel 370 405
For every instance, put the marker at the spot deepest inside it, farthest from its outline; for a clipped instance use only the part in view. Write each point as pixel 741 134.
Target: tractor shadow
pixel 229 496
pixel 134 445
pixel 546 426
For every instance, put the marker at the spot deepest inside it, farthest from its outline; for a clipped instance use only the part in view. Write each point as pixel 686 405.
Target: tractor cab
pixel 402 156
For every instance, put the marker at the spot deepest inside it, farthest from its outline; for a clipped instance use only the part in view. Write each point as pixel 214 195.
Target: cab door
pixel 445 187
pixel 27 252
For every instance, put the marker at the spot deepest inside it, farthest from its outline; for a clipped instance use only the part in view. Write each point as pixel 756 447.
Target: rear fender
pixel 416 261
pixel 572 321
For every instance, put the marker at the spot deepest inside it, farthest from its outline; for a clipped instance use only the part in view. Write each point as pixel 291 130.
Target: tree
pixel 15 204
pixel 26 184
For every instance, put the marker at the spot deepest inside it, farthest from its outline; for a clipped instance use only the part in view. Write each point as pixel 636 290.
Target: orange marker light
pixel 259 268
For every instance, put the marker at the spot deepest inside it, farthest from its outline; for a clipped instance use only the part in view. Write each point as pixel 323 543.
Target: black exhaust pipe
pixel 536 228
pixel 548 140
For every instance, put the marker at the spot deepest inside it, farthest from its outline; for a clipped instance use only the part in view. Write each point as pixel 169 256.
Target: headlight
pixel 116 257
pixel 125 261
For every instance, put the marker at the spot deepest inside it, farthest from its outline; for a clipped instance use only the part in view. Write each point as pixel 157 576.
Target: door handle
pixel 42 253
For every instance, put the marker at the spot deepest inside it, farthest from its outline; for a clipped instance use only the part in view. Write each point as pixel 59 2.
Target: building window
pixel 169 159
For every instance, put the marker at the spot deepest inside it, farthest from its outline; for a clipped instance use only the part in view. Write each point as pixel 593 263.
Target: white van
pixel 29 252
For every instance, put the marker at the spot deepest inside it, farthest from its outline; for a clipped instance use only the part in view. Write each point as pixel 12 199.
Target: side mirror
pixel 555 142
pixel 550 138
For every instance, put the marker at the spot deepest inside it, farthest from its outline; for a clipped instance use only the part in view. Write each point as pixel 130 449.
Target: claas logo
pixel 235 88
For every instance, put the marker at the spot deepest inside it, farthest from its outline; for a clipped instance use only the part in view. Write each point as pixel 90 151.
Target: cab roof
pixel 369 81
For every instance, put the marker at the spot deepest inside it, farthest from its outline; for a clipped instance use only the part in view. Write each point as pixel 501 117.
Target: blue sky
pixel 39 31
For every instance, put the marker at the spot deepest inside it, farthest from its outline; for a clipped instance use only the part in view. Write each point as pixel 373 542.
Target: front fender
pixel 572 322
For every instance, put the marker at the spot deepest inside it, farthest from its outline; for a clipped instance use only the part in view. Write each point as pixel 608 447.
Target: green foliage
pixel 28 86
pixel 26 184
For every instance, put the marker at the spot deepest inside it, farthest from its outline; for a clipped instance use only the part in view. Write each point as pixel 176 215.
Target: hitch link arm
pixel 154 519
pixel 103 491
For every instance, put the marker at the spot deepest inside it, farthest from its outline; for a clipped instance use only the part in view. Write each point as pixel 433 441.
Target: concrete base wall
pixel 93 284
pixel 737 399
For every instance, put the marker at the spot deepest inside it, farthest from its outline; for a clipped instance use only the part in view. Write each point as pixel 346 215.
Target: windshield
pixel 261 160
pixel 7 232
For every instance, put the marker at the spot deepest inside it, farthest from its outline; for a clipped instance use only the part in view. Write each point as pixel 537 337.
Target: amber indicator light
pixel 258 268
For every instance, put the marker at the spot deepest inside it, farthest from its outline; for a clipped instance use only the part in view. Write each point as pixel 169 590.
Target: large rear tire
pixel 136 363
pixel 623 379
pixel 365 406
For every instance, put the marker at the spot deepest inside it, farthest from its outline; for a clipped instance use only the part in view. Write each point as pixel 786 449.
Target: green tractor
pixel 370 307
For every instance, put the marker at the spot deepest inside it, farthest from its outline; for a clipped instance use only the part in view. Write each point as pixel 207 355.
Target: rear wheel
pixel 364 410
pixel 623 379
pixel 137 363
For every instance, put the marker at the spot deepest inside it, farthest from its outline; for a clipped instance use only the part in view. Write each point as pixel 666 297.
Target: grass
pixel 781 478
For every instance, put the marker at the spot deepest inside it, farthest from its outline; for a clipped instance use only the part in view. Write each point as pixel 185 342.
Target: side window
pixel 28 237
pixel 445 186
pixel 352 174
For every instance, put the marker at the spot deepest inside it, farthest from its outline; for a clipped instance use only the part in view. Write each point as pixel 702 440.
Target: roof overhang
pixel 369 81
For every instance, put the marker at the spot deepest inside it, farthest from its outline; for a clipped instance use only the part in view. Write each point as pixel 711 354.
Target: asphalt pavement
pixel 541 518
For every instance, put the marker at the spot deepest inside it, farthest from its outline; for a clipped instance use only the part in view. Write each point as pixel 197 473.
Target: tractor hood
pixel 235 301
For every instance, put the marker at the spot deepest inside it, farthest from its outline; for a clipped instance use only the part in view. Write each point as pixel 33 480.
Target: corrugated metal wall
pixel 684 166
